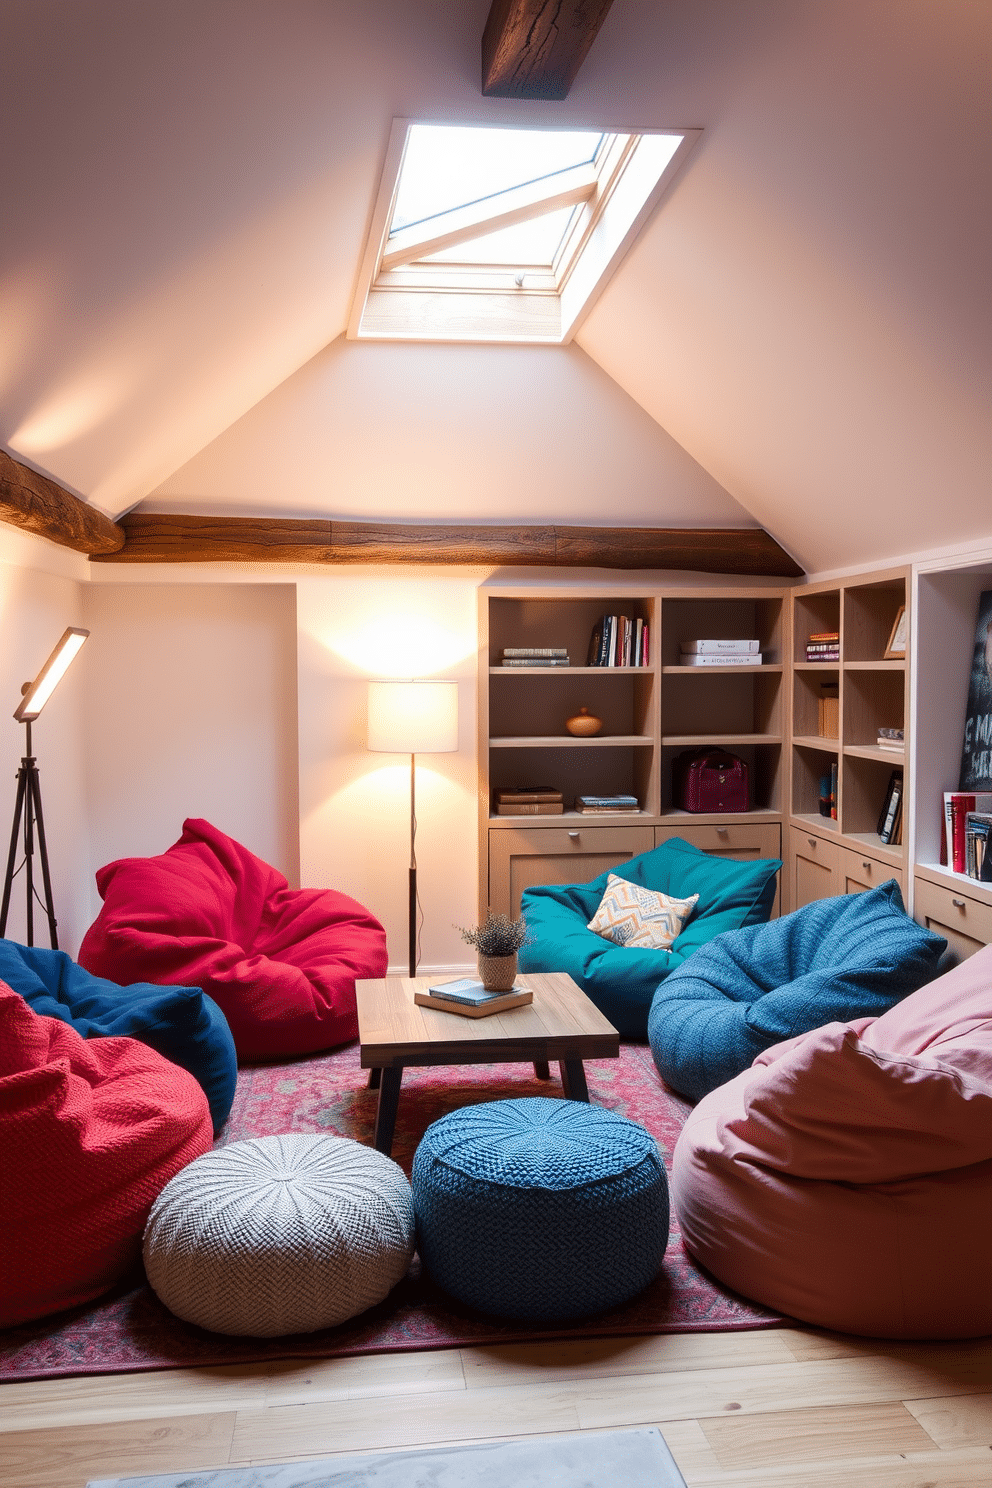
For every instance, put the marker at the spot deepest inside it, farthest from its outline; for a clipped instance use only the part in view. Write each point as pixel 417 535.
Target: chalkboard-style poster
pixel 976 756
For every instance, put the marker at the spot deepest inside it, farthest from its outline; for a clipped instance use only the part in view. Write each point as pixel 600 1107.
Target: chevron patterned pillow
pixel 631 915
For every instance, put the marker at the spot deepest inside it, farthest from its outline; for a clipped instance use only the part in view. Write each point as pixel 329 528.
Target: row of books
pixel 823 645
pixel 547 800
pixel 726 651
pixel 619 640
pixel 967 824
pixel 534 656
pixel 828 792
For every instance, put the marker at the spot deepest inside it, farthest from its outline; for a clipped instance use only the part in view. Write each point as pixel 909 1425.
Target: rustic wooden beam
pixel 155 538
pixel 534 48
pixel 39 505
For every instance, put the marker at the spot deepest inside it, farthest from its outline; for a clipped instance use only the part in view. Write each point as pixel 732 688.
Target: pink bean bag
pixel 846 1177
pixel 281 963
pixel 91 1131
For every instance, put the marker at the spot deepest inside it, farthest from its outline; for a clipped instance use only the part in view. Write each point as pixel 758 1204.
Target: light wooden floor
pixel 783 1408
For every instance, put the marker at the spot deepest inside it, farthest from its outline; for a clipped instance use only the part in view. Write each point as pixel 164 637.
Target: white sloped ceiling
pixel 186 191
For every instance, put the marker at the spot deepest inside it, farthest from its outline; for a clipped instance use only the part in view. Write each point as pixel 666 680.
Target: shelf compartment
pixel 567 620
pixel 722 701
pixel 870 612
pixel 764 762
pixel 813 614
pixel 540 699
pixel 807 691
pixel 865 784
pixel 873 699
pixel 576 767
pixel 809 764
pixel 723 617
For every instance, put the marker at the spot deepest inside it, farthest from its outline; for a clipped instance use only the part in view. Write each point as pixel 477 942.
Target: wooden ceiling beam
pixel 534 48
pixel 166 538
pixel 39 505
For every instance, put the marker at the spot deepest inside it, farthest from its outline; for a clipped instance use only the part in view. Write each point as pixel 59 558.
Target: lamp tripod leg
pixel 12 855
pixel 46 877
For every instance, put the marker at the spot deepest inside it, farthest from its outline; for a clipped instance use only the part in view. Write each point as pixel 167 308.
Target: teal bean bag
pixel 622 980
pixel 181 1023
pixel 832 961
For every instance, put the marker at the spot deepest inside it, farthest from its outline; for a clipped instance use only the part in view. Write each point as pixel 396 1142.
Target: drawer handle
pixel 866 865
pixel 811 841
pixel 723 831
pixel 958 903
pixel 574 835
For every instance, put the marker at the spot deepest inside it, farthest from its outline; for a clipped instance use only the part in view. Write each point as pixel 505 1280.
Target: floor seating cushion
pixel 540 1209
pixel 281 963
pixel 846 1177
pixel 91 1130
pixel 280 1235
pixel 180 1022
pixel 833 960
pixel 621 979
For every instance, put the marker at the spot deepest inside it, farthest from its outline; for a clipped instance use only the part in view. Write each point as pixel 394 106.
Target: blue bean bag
pixel 181 1023
pixel 835 960
pixel 621 980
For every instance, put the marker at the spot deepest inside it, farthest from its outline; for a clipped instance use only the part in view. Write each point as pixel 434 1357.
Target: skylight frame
pixel 420 300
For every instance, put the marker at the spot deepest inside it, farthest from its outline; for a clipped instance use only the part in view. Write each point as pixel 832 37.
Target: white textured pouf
pixel 280 1235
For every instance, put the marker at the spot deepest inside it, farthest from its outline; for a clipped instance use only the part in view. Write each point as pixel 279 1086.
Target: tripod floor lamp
pixel 413 718
pixel 27 809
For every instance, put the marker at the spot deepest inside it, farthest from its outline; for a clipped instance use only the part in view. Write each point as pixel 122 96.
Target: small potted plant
pixel 497 943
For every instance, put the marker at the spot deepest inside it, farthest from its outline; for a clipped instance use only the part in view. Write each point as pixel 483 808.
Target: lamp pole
pixel 27 809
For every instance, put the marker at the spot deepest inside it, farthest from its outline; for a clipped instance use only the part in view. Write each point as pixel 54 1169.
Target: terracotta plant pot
pixel 584 724
pixel 497 973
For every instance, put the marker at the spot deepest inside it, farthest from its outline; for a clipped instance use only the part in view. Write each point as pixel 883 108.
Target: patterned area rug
pixel 129 1329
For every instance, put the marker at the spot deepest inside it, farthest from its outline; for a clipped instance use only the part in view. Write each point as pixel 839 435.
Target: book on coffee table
pixel 470 998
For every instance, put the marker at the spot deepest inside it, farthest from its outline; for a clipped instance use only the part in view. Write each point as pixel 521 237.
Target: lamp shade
pixel 413 717
pixel 51 674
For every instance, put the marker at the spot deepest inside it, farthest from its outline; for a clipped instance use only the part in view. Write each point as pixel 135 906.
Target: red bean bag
pixel 846 1177
pixel 280 963
pixel 90 1134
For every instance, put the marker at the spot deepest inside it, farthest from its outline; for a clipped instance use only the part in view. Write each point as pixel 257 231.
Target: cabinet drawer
pixel 733 840
pixel 967 923
pixel 814 868
pixel 859 872
pixel 518 859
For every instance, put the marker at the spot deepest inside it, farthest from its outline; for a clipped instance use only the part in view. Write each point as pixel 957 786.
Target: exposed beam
pixel 462 224
pixel 153 538
pixel 534 48
pixel 39 505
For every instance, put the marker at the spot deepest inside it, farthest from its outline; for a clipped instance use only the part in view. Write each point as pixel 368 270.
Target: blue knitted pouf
pixel 543 1209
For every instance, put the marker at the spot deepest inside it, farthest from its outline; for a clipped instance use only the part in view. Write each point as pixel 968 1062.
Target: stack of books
pixel 966 833
pixel 596 805
pixel 618 640
pixel 728 652
pixel 534 656
pixel 470 998
pixel 528 800
pixel 891 739
pixel 823 645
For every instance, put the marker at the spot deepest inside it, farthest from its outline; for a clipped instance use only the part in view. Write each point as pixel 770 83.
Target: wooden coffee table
pixel 561 1024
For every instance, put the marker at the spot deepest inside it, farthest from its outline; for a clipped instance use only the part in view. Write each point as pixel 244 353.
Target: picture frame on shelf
pixel 896 648
pixel 976 751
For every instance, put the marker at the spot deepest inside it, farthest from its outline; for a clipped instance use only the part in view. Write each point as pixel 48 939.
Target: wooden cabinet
pixel 963 919
pixel 650 714
pixel 737 839
pixel 858 871
pixel 814 867
pixel 546 855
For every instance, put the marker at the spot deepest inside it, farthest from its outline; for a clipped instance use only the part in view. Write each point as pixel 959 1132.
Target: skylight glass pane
pixel 446 166
pixel 532 243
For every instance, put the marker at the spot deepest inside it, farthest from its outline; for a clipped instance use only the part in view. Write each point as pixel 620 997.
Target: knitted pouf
pixel 280 1235
pixel 542 1209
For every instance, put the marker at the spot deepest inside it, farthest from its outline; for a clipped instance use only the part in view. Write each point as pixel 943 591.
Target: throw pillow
pixel 631 915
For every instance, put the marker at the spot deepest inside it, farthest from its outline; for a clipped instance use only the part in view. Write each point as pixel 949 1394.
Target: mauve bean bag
pixel 91 1131
pixel 280 963
pixel 846 1177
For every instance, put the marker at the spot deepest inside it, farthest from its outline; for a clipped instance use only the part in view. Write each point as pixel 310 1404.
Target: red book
pixel 961 804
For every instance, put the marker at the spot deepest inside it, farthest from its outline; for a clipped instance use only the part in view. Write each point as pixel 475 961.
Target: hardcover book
pixel 719 647
pixel 726 658
pixel 469 998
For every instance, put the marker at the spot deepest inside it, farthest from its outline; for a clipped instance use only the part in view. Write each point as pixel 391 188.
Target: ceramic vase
pixel 498 973
pixel 584 724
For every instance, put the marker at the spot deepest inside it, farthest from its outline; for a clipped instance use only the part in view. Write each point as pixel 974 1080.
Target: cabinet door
pixel 518 859
pixel 814 868
pixel 859 872
pixel 734 840
pixel 965 923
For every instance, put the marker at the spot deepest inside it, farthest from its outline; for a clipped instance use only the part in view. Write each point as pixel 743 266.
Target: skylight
pixel 503 234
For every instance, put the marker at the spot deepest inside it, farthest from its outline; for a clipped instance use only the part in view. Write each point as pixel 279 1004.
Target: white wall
pixel 40 594
pixel 191 711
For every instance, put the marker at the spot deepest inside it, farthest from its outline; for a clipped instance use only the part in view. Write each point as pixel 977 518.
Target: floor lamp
pixel 413 718
pixel 27 808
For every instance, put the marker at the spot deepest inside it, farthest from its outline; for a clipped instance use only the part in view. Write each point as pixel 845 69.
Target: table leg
pixel 375 1075
pixel 385 1116
pixel 542 1069
pixel 573 1079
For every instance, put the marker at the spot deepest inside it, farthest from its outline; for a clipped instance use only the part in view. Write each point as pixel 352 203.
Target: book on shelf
pixel 535 661
pixel 824 635
pixel 618 641
pixel 891 807
pixel 616 803
pixel 828 711
pixel 470 999
pixel 607 810
pixel 506 795
pixel 727 658
pixel 957 806
pixel 833 790
pixel 891 739
pixel 529 808
pixel 978 845
pixel 728 647
pixel 535 651
pixel 823 653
